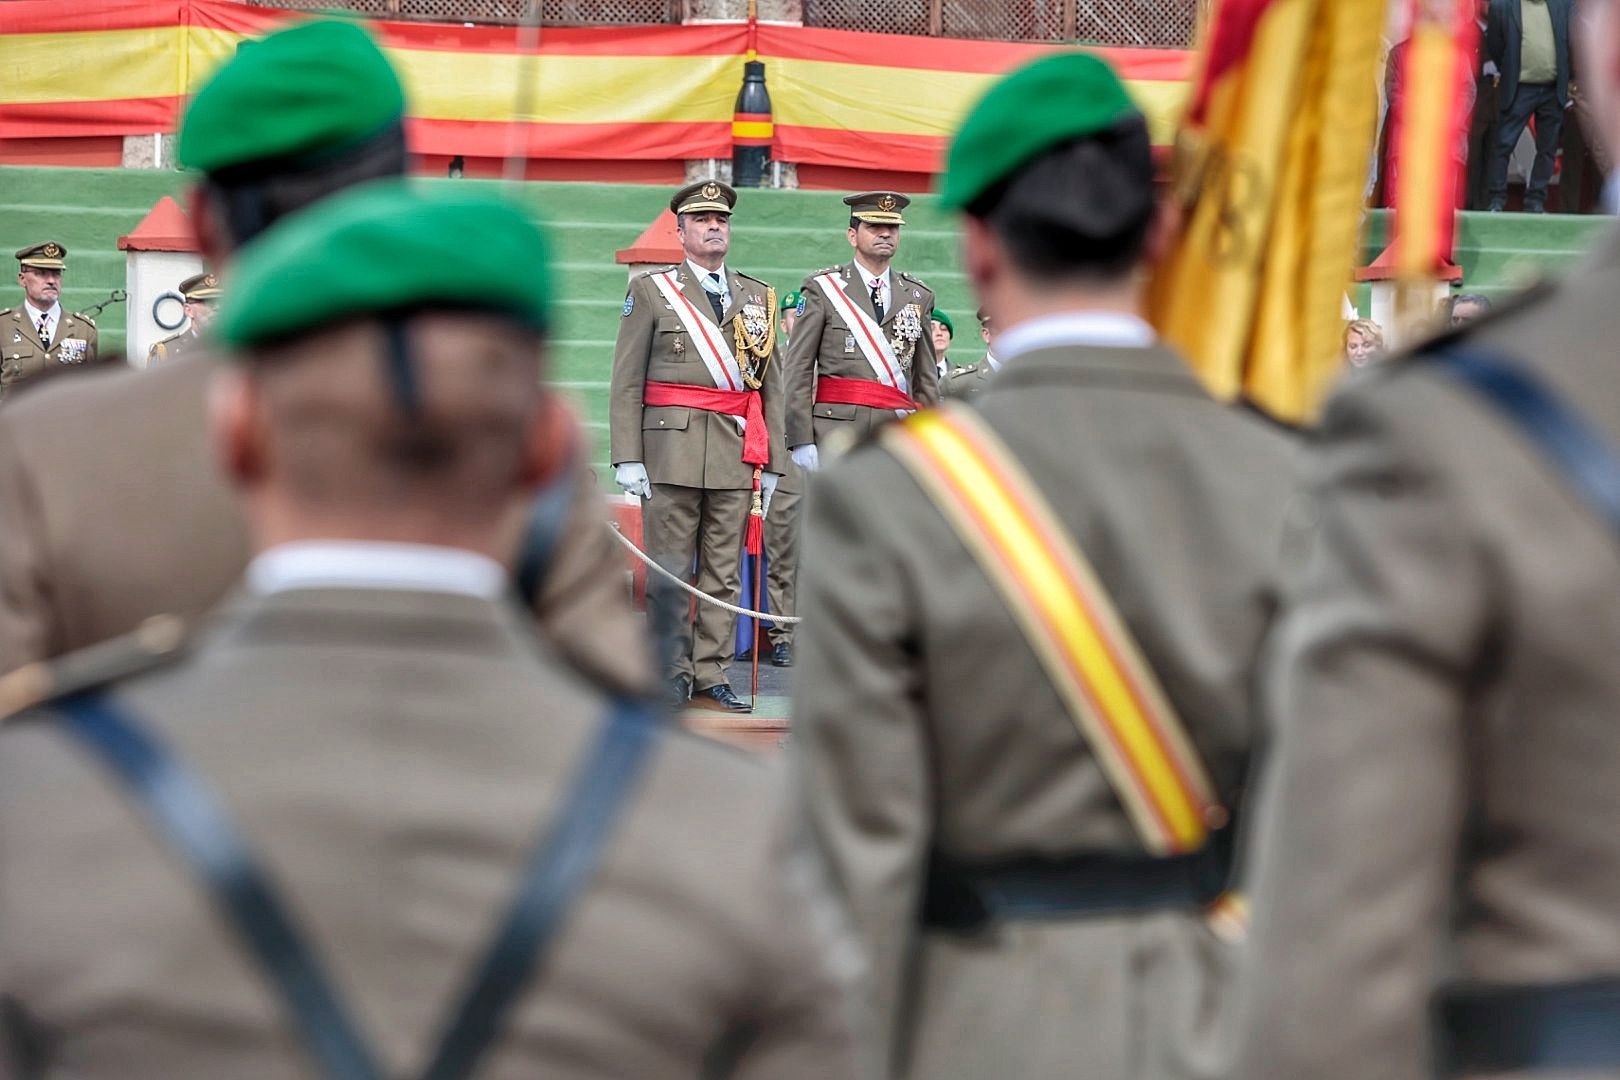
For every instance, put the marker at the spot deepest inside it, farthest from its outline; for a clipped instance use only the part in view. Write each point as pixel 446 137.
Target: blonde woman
pixel 1363 341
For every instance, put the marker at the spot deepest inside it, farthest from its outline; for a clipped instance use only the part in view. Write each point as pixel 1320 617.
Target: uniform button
pixel 660 423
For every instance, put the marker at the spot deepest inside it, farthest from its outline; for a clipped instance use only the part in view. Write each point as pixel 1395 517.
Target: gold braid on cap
pixel 757 347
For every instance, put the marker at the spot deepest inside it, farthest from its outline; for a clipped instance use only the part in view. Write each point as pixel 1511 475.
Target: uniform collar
pixel 866 275
pixel 1105 329
pixel 54 313
pixel 365 564
pixel 702 274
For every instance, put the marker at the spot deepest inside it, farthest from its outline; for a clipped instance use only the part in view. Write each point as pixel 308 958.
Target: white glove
pixel 806 457
pixel 767 488
pixel 631 476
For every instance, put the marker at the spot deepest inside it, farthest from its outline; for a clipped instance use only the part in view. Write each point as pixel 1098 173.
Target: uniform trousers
pixel 782 561
pixel 684 526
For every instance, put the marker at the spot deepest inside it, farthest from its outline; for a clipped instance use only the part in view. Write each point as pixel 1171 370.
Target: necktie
pixel 45 331
pixel 877 297
pixel 713 287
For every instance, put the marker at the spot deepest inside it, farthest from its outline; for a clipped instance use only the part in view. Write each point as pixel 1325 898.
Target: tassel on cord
pixel 754 539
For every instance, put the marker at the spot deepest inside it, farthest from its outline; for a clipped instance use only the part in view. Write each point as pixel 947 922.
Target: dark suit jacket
pixel 1504 29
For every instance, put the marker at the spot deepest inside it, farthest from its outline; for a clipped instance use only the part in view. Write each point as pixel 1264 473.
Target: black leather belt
pixel 964 897
pixel 1500 1029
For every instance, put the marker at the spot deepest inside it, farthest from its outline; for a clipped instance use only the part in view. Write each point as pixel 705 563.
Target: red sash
pixel 831 390
pixel 743 403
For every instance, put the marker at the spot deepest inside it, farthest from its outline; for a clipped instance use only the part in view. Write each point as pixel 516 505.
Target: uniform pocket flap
pixel 833 411
pixel 665 418
pixel 669 324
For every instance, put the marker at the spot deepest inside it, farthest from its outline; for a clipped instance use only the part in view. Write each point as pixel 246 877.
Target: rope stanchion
pixel 780 620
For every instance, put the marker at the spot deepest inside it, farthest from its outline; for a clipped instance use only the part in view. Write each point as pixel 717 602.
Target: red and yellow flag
pixel 1429 117
pixel 1271 173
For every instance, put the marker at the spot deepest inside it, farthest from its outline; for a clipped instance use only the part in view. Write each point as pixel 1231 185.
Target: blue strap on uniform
pixel 188 815
pixel 1574 447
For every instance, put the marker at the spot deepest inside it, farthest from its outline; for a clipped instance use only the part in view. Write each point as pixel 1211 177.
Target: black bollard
pixel 751 128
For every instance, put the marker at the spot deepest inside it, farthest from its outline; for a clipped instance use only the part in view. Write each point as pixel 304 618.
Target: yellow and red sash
pixel 1053 593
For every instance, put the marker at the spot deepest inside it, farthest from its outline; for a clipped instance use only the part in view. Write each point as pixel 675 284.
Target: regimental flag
pixel 1429 130
pixel 1270 171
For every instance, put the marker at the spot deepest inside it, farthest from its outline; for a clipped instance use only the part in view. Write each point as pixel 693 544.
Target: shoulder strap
pixel 1575 448
pixel 1068 619
pixel 190 818
pixel 542 532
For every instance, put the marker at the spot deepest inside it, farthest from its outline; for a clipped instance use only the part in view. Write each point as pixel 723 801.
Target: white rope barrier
pixel 780 620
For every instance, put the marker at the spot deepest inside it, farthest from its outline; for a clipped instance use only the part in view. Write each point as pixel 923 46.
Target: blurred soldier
pixel 42 339
pixel 696 419
pixel 966 381
pixel 199 292
pixel 943 330
pixel 97 542
pixel 1435 828
pixel 377 712
pixel 861 352
pixel 1029 628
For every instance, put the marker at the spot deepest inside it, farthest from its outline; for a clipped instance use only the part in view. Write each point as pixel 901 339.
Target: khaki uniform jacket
pixel 23 359
pixel 1440 800
pixel 926 722
pixel 102 533
pixel 964 383
pixel 172 348
pixel 823 344
pixel 679 445
pixel 393 756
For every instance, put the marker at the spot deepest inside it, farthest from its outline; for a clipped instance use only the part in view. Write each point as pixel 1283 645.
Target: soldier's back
pixel 1178 502
pixel 1437 690
pixel 393 756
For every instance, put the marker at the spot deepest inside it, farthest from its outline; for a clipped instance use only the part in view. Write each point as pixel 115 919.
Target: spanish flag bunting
pixel 1269 176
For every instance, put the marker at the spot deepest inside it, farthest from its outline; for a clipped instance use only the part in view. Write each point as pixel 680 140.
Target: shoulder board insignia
pixel 965 369
pixel 6 311
pixel 81 318
pixel 157 641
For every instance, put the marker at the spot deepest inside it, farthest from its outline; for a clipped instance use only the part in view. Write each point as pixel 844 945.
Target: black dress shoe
pixel 782 654
pixel 678 691
pixel 719 698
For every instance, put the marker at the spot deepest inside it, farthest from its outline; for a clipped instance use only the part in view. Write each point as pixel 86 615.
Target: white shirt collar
pixel 992 359
pixel 1105 329
pixel 34 313
pixel 868 275
pixel 703 275
pixel 366 564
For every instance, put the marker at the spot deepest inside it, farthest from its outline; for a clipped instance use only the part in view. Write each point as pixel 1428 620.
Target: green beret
pixel 386 246
pixel 790 299
pixel 1056 99
pixel 944 320
pixel 320 86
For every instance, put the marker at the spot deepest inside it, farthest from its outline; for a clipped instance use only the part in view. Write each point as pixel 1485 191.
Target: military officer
pixel 1435 828
pixel 943 330
pixel 695 422
pixel 862 352
pixel 376 711
pixel 966 381
pixel 40 338
pixel 789 315
pixel 98 542
pixel 199 292
pixel 999 597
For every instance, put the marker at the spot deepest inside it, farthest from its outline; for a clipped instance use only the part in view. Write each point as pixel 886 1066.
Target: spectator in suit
pixel 1528 41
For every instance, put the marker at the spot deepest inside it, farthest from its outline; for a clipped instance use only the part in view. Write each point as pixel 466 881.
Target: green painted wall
pixel 780 236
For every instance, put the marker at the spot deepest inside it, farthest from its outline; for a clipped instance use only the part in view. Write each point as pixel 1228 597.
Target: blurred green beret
pixel 320 86
pixel 386 246
pixel 945 321
pixel 790 299
pixel 1057 98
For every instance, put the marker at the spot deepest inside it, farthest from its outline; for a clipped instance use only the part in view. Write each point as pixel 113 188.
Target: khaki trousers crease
pixel 683 526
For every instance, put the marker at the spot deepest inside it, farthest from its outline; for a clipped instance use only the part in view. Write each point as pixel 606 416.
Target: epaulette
pixel 81 317
pixel 157 641
pixel 751 277
pixel 965 369
pixel 6 311
pixel 914 279
pixel 658 270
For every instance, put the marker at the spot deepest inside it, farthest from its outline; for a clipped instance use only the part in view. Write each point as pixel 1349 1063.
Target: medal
pixel 907 331
pixel 849 343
